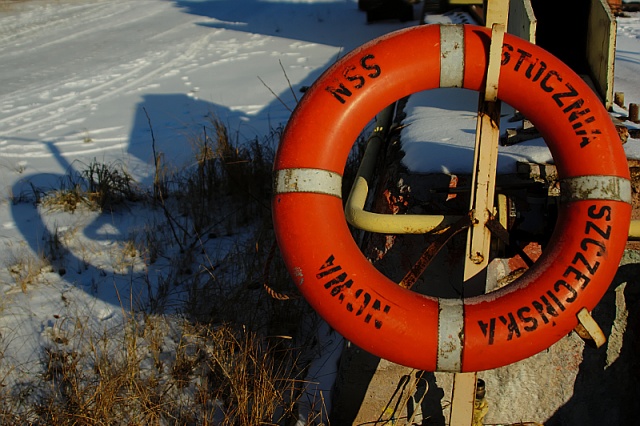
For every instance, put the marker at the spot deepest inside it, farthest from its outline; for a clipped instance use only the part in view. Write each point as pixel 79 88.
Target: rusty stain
pixel 297 276
pixel 449 346
pixel 453 183
pixel 477 258
pixel 395 202
pixel 533 250
pixel 289 180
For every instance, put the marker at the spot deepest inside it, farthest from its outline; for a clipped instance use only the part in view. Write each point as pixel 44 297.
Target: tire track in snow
pixel 35 116
pixel 45 108
pixel 78 100
pixel 31 26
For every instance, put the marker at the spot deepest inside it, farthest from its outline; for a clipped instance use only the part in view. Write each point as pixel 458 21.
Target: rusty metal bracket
pixel 432 249
pixel 499 231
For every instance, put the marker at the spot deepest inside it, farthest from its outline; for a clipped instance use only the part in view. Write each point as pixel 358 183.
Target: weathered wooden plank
pixel 601 48
pixel 522 21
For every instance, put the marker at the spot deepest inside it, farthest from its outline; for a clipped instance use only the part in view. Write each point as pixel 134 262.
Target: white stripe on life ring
pixel 450 334
pixel 595 187
pixel 308 180
pixel 451 56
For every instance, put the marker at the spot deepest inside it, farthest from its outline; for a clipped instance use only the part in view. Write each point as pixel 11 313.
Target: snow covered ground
pixel 79 77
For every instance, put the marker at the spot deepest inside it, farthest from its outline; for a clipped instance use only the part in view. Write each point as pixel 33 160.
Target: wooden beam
pixel 486 147
pixel 483 190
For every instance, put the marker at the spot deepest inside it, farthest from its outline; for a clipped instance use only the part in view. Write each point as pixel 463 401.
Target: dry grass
pixel 199 347
pixel 97 186
pixel 25 266
pixel 208 375
pixel 230 184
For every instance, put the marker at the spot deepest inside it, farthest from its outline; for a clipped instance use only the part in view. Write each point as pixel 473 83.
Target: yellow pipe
pixel 634 230
pixel 387 223
pixel 384 223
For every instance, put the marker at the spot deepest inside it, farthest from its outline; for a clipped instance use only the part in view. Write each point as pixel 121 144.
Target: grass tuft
pixel 98 186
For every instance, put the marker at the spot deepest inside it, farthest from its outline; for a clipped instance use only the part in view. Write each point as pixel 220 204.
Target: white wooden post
pixel 483 191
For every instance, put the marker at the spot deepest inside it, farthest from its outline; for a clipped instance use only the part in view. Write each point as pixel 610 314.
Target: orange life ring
pixel 423 332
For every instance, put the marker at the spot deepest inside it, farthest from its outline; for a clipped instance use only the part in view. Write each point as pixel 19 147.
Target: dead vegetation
pixel 213 375
pixel 201 343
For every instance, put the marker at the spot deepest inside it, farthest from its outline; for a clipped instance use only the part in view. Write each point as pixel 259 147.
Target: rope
pixel 265 278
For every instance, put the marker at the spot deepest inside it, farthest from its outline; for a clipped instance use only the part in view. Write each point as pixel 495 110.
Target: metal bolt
pixel 634 111
pixel 480 389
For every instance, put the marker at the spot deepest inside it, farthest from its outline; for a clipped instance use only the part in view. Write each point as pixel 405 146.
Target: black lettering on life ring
pixel 337 282
pixel 340 93
pixel 541 69
pixel 356 78
pixel 511 324
pixel 523 55
pixel 579 276
pixel 604 211
pixel 544 83
pixel 570 276
pixel 525 318
pixel 488 329
pixel 564 292
pixel 566 286
pixel 506 54
pixel 566 97
pixel 370 67
pixel 605 234
pixel 580 258
pixel 571 93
